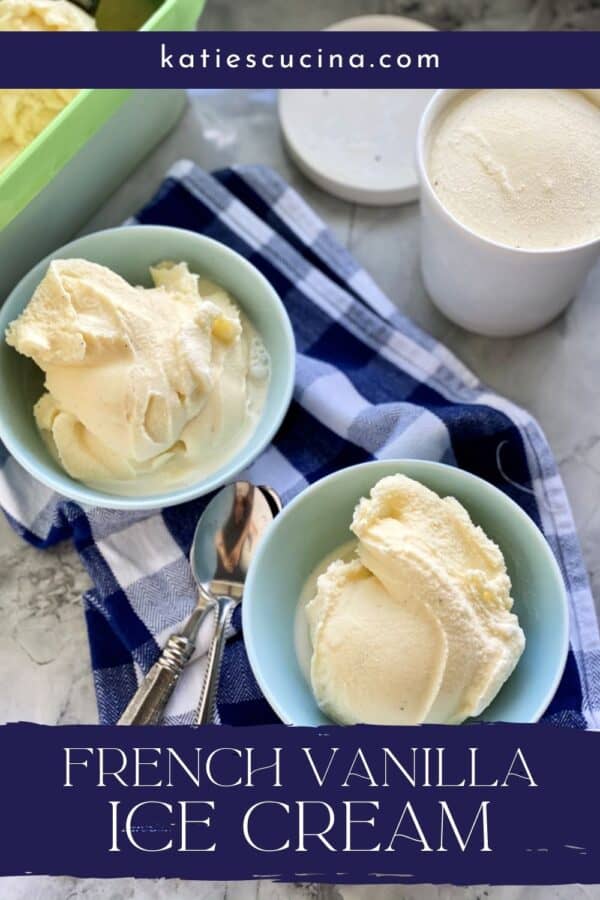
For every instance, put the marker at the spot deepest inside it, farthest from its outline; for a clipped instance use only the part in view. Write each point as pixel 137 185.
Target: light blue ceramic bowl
pixel 317 521
pixel 130 251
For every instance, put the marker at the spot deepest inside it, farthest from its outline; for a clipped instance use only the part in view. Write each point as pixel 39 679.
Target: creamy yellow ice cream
pixel 417 627
pixel 25 113
pixel 520 167
pixel 146 388
pixel 43 15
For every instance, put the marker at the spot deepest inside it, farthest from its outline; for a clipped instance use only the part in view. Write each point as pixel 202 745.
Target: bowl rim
pixel 82 493
pixel 314 488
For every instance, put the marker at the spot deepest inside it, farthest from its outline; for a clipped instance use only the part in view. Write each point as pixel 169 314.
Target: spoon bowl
pixel 226 537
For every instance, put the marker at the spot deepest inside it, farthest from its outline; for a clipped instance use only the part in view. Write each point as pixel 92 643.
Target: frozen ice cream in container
pixel 510 204
pixel 63 152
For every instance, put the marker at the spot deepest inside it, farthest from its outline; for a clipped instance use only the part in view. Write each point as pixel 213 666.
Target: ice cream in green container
pixel 87 142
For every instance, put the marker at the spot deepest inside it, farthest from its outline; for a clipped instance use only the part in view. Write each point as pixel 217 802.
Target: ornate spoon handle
pixel 207 705
pixel 149 701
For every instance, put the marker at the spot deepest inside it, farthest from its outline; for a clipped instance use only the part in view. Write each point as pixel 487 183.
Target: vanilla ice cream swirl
pixel 418 626
pixel 146 388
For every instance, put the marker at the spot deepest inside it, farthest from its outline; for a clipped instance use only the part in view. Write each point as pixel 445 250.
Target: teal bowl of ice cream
pixel 359 647
pixel 150 397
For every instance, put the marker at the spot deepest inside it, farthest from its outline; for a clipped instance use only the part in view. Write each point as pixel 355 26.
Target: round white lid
pixel 357 144
pixel 379 23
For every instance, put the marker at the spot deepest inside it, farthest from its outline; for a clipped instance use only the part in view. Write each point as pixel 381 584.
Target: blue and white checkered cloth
pixel 369 385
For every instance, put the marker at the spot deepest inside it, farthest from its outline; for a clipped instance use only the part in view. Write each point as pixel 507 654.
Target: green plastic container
pixel 57 182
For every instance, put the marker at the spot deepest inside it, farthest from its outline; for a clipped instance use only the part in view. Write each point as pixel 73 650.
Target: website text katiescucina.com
pixel 218 59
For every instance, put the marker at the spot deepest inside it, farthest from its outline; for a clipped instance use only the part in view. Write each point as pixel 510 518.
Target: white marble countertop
pixel 44 661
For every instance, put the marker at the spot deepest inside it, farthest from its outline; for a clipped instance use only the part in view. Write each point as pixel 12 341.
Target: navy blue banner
pixel 495 804
pixel 300 59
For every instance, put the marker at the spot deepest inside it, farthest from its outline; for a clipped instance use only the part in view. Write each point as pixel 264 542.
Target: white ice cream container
pixel 484 286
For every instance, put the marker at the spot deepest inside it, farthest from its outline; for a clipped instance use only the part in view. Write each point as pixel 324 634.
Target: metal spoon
pixel 149 701
pixel 241 518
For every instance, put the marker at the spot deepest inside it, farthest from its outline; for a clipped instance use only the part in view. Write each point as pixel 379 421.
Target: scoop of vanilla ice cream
pixel 419 628
pixel 146 387
pixel 43 15
pixel 24 115
pixel 521 167
pixel 374 659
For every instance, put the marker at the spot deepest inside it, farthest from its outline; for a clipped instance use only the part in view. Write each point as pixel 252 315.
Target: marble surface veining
pixel 44 658
pixel 468 14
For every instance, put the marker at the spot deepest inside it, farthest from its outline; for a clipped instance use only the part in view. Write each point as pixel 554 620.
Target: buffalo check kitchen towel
pixel 369 385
